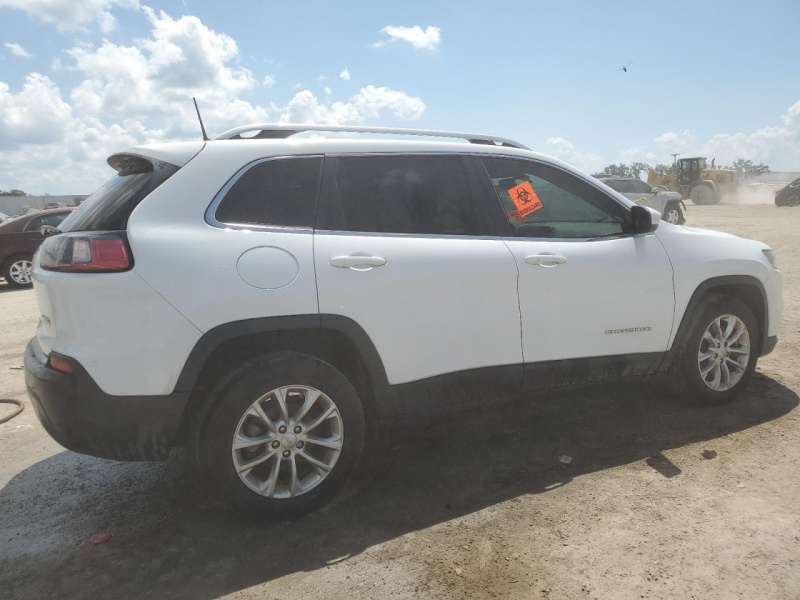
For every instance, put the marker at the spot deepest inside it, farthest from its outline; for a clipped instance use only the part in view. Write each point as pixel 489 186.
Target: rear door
pixel 403 249
pixel 587 289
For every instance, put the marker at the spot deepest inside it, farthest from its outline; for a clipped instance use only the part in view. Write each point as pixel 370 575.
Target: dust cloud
pixel 758 193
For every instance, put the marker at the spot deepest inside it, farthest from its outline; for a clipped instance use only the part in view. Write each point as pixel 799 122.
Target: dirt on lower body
pixel 614 491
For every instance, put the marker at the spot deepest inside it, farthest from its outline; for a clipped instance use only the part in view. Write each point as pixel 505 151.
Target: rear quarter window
pixel 279 192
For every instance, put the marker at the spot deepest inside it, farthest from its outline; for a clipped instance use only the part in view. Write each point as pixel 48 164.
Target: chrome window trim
pixel 210 214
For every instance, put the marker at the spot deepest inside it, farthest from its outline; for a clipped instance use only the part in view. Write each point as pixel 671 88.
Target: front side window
pixel 423 194
pixel 281 193
pixel 545 202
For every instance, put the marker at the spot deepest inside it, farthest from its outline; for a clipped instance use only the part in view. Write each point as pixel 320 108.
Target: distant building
pixel 19 205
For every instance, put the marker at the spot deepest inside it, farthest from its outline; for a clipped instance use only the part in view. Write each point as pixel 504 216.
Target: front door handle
pixel 545 260
pixel 358 262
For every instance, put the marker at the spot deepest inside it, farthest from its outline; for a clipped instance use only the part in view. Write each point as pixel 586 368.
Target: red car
pixel 19 239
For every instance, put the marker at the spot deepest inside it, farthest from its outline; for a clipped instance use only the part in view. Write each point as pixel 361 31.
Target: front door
pixel 586 288
pixel 401 248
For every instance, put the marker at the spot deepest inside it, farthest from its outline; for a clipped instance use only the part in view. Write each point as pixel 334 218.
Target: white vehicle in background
pixel 658 198
pixel 269 300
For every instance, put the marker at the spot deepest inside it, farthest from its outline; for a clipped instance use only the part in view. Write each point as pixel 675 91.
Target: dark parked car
pixel 19 239
pixel 789 195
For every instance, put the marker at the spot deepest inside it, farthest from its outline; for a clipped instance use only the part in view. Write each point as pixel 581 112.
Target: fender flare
pixel 386 395
pixel 725 280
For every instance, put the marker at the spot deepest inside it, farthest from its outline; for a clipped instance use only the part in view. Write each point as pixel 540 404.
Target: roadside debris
pixel 17 368
pixel 709 454
pixel 19 409
pixel 101 537
pixel 564 459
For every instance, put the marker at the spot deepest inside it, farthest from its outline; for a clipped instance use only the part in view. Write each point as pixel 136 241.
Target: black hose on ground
pixel 20 408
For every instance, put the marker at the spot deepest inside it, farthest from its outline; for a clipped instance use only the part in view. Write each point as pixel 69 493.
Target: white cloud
pixel 322 78
pixel 422 39
pixel 155 78
pixel 566 151
pixel 345 75
pixel 17 50
pixel 370 102
pixel 792 116
pixel 71 15
pixel 676 141
pixel 56 140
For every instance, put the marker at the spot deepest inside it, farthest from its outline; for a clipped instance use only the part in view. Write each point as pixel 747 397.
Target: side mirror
pixel 642 220
pixel 658 190
pixel 48 230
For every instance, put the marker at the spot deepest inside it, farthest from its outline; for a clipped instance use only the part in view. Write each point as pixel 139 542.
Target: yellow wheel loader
pixel 696 181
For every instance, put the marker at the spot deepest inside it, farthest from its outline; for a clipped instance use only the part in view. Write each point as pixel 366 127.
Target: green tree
pixel 662 169
pixel 623 170
pixel 13 193
pixel 620 170
pixel 747 168
pixel 637 168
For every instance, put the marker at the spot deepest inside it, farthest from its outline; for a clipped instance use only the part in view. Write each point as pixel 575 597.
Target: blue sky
pixel 720 79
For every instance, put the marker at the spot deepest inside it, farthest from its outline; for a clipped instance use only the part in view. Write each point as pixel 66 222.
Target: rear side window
pixel 545 202
pixel 53 220
pixel 277 192
pixel 421 194
pixel 109 208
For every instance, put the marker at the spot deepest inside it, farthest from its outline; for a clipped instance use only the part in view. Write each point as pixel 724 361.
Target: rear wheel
pixel 703 194
pixel 17 271
pixel 717 354
pixel 283 434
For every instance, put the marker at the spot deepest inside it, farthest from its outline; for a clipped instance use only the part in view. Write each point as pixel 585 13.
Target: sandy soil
pixel 659 500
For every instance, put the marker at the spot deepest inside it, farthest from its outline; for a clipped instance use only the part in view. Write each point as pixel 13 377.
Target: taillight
pixel 86 252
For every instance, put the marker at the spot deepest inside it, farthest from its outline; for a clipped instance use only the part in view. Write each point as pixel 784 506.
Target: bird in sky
pixel 625 67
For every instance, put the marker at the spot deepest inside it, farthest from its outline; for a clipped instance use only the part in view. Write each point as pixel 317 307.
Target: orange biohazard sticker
pixel 525 199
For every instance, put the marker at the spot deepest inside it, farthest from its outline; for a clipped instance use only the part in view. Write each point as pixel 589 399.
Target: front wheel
pixel 17 271
pixel 703 194
pixel 717 353
pixel 284 432
pixel 673 214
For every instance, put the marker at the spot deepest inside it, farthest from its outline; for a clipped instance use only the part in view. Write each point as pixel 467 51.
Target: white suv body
pixel 406 266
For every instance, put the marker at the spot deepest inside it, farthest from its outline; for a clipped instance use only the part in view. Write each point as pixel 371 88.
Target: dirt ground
pixel 659 500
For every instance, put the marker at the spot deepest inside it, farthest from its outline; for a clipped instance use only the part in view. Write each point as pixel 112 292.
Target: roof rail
pixel 285 130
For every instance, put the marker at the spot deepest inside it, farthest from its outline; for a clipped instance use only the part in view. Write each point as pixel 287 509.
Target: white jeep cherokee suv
pixel 268 300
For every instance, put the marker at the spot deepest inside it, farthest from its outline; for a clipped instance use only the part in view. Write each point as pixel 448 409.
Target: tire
pixel 234 397
pixel 17 271
pixel 703 195
pixel 673 214
pixel 684 374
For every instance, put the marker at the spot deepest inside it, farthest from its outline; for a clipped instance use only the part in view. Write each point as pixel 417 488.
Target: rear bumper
pixel 81 417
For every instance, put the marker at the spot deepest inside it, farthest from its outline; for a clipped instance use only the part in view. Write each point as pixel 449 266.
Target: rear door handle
pixel 358 262
pixel 545 260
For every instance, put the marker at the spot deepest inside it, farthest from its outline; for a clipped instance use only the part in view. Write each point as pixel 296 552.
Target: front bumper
pixel 81 417
pixel 769 345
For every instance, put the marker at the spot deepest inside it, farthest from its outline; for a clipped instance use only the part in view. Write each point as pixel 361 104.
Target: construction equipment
pixel 696 181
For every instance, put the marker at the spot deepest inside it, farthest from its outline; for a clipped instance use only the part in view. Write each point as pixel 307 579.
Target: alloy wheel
pixel 20 272
pixel 288 441
pixel 724 352
pixel 673 216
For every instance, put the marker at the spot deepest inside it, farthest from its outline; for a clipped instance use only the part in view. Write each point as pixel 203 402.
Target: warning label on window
pixel 525 199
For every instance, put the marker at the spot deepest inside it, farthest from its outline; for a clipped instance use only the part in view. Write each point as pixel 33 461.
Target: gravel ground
pixel 658 501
